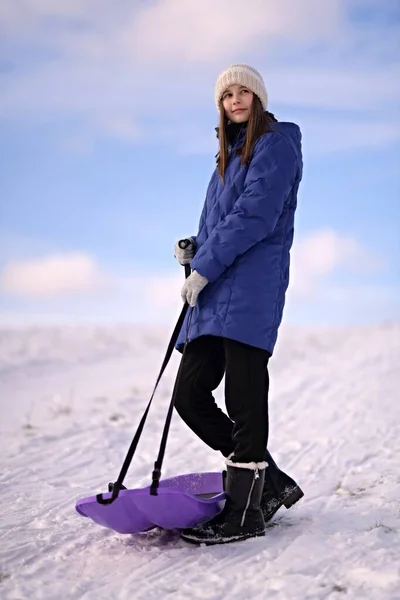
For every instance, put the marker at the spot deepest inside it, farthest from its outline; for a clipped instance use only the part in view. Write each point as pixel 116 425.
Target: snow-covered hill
pixel 71 399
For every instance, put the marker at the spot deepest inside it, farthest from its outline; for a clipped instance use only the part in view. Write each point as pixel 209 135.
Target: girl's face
pixel 237 101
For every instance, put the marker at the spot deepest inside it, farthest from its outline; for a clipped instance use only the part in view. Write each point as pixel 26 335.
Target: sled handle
pixel 117 486
pixel 183 244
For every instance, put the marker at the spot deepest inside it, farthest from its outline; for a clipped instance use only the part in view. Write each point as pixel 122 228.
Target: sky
pixel 107 144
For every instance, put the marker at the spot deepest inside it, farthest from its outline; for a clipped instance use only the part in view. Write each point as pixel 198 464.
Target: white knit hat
pixel 242 75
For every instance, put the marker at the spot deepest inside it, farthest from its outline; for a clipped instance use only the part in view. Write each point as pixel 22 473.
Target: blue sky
pixel 107 143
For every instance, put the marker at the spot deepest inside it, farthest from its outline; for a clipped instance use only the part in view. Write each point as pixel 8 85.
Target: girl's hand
pixel 192 288
pixel 184 255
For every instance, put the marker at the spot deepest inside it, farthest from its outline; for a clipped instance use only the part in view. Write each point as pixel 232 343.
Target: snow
pixel 71 399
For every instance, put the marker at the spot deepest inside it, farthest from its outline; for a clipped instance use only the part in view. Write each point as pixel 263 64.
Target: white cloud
pixel 24 16
pixel 164 291
pixel 74 285
pixel 75 288
pixel 314 258
pixel 179 29
pixel 352 303
pixel 182 31
pixel 323 252
pixel 51 276
pixel 118 64
pixel 62 8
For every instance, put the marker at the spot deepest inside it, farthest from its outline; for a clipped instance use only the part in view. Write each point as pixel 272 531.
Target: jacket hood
pixel 289 130
pixel 292 133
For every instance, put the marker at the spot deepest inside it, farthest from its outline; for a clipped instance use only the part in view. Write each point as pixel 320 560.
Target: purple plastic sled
pixel 182 501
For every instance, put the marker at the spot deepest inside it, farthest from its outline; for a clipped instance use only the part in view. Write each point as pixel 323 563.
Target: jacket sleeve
pixel 271 175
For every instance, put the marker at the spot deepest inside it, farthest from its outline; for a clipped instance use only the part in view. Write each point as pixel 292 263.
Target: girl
pixel 240 273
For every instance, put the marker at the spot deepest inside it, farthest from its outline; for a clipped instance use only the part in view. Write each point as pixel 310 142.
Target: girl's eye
pixel 245 91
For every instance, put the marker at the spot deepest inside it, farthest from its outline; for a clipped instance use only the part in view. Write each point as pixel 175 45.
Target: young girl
pixel 240 273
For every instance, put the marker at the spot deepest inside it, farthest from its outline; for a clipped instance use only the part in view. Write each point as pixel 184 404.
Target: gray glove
pixel 192 288
pixel 184 255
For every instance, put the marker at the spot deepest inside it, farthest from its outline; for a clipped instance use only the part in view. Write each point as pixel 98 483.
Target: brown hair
pixel 259 122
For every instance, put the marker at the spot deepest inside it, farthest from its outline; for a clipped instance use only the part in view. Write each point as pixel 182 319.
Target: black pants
pixel 245 430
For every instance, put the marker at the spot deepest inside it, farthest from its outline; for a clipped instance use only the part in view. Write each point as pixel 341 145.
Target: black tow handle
pixel 183 244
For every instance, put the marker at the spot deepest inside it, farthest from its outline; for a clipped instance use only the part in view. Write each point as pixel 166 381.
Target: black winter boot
pixel 279 490
pixel 241 517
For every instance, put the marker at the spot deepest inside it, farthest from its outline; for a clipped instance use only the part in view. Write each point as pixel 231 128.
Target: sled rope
pixel 115 487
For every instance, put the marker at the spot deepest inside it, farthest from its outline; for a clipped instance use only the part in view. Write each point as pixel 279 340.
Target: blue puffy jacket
pixel 243 243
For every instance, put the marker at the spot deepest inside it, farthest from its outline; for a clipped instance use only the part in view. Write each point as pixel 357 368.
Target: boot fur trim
pixel 253 466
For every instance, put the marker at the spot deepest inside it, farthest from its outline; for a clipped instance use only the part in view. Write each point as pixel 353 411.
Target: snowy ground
pixel 70 402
